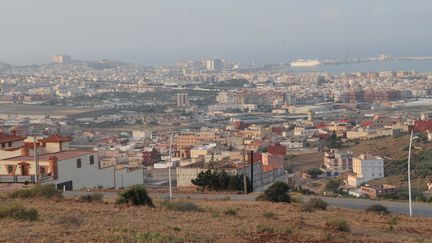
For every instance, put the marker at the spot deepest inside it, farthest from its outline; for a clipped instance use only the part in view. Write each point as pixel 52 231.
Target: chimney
pixel 25 151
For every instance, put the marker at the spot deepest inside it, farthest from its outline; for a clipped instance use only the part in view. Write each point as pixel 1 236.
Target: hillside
pixel 217 221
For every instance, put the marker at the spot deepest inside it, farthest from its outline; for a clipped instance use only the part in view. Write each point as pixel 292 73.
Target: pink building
pixel 275 161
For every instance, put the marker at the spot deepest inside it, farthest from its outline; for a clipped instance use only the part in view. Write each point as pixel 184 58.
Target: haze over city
pixel 162 32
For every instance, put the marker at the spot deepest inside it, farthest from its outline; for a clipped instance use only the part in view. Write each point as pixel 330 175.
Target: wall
pixel 125 177
pixel 88 176
pixel 185 175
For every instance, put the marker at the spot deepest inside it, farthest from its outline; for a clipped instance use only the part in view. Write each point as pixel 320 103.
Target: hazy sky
pixel 157 32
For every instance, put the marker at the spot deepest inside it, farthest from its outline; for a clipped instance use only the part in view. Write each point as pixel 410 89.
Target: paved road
pixel 419 209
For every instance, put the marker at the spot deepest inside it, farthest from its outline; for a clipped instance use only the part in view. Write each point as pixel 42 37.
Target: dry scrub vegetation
pixel 199 220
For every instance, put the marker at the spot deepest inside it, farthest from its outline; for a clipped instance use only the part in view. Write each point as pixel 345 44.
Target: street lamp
pixel 409 172
pixel 169 166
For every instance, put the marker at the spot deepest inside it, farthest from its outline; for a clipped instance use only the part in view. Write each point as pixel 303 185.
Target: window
pixel 10 169
pixel 91 159
pixel 3 145
pixel 78 163
pixel 10 144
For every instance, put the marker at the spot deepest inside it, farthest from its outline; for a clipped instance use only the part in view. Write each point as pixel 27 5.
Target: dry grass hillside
pixel 213 221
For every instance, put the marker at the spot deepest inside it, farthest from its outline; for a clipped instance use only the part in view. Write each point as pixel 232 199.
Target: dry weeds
pixel 72 221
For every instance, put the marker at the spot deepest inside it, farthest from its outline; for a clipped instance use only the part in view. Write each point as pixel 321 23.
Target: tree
pixel 332 186
pixel 276 193
pixel 218 181
pixel 333 141
pixel 314 172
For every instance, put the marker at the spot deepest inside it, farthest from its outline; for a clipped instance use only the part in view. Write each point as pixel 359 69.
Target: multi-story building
pixel 59 59
pixel 337 161
pixel 214 65
pixel 365 168
pixel 185 140
pixel 182 100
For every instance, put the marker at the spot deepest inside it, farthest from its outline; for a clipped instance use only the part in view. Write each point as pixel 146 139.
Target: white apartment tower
pixel 182 100
pixel 214 65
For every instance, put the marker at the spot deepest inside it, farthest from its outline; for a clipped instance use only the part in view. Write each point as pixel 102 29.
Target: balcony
pixel 17 179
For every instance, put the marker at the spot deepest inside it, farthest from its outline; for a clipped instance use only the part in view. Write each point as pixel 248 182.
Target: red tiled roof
pixel 4 138
pixel 55 139
pixel 62 155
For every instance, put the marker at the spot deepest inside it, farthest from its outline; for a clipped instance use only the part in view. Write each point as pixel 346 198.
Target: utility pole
pixel 409 174
pixel 169 166
pixel 251 163
pixel 244 174
pixel 36 160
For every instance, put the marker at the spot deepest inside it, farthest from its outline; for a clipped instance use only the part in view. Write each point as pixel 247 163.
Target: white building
pixel 142 134
pixel 214 65
pixel 365 167
pixel 57 164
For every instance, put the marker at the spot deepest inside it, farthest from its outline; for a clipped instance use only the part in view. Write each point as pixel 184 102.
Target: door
pixel 65 185
pixel 24 169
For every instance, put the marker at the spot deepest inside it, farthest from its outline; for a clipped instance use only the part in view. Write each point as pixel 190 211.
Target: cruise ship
pixel 305 63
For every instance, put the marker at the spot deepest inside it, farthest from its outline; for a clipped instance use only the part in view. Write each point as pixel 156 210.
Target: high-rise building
pixel 214 65
pixel 182 100
pixel 59 59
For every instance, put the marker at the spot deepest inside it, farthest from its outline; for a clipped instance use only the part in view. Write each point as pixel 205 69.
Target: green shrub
pixel 181 206
pixel 265 229
pixel 269 215
pixel 276 193
pixel 230 212
pixel 297 199
pixel 95 197
pixel 19 212
pixel 135 195
pixel 337 225
pixel 69 221
pixel 377 208
pixel 47 191
pixel 318 203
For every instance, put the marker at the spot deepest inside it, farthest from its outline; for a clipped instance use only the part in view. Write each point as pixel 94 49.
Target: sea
pixel 378 66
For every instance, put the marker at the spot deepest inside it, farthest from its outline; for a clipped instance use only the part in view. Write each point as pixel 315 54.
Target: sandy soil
pixel 73 221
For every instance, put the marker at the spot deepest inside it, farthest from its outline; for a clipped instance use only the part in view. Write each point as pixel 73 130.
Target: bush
pixel 89 198
pixel 19 212
pixel 276 193
pixel 332 186
pixel 135 195
pixel 318 203
pixel 230 212
pixel 377 208
pixel 181 206
pixel 47 191
pixel 265 229
pixel 69 221
pixel 337 225
pixel 269 215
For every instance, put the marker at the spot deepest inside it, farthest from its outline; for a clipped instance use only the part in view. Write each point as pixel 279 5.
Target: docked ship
pixel 305 63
